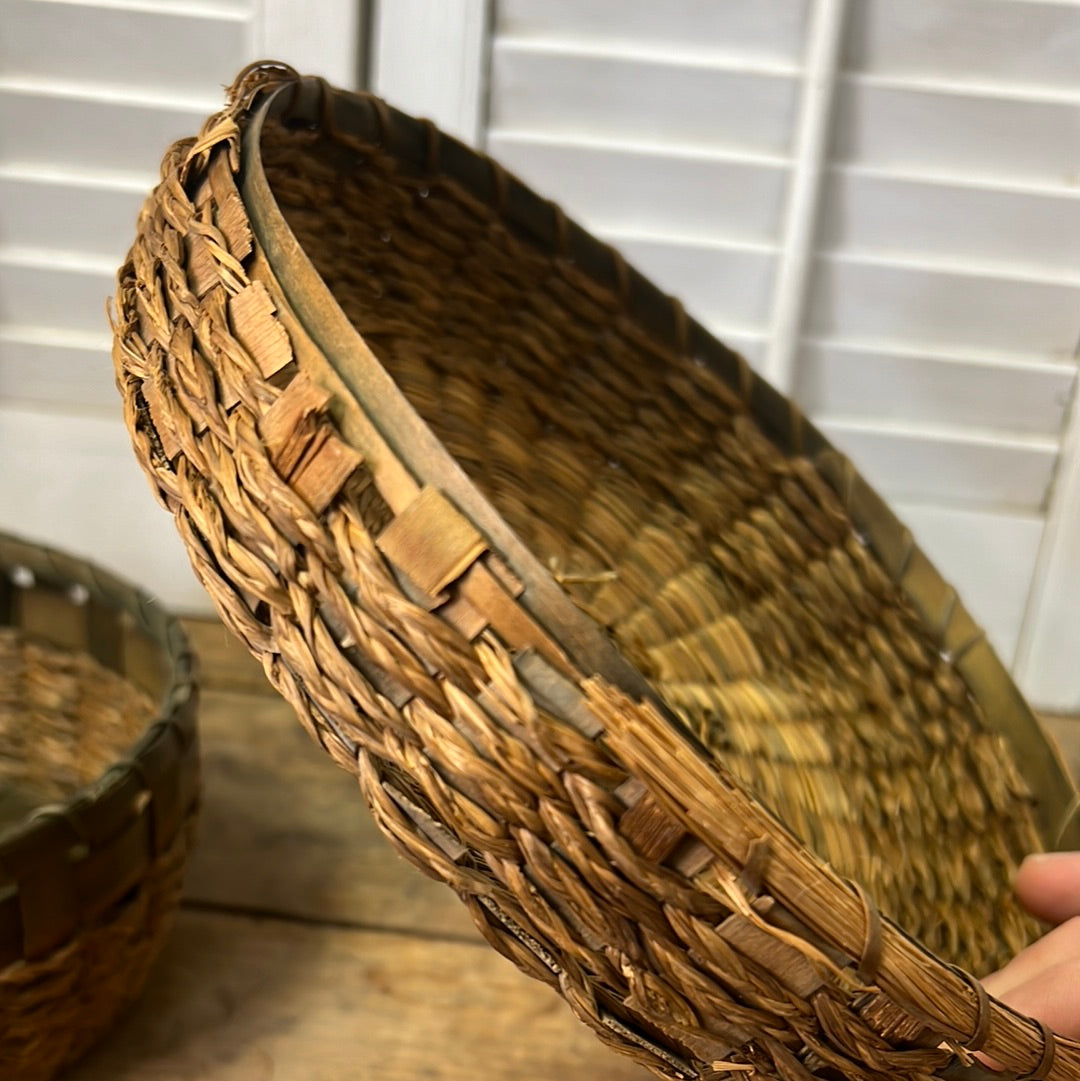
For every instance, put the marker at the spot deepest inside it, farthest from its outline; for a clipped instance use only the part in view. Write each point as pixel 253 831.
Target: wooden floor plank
pixel 224 662
pixel 237 999
pixel 285 831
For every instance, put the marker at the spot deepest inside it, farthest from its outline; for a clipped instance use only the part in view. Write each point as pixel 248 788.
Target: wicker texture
pixel 727 572
pixel 64 719
pixel 600 826
pixel 98 790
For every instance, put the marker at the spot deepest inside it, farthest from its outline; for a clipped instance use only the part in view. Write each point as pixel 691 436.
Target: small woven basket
pixel 98 791
pixel 617 645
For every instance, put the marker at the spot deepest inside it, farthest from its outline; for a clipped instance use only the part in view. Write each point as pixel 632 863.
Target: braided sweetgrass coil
pixel 617 646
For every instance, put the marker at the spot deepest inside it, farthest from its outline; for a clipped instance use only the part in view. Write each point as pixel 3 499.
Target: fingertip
pixel 1033 870
pixel 1033 867
pixel 1048 885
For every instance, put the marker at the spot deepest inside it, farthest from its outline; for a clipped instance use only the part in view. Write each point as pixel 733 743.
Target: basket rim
pixel 133 811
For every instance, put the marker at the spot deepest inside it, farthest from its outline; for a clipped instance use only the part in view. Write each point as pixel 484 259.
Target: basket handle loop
pixel 870 954
pixel 1046 1059
pixel 981 1028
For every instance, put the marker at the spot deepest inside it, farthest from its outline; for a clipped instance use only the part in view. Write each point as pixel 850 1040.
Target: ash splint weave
pixel 616 644
pixel 99 789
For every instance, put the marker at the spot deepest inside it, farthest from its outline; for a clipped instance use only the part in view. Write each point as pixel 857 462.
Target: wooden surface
pixel 306 950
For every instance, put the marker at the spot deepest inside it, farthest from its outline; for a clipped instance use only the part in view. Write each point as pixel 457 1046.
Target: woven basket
pixel 98 789
pixel 617 645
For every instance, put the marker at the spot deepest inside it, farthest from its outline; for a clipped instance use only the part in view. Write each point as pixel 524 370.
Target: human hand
pixel 1043 981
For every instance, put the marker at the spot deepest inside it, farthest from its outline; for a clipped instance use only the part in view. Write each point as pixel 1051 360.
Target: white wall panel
pixel 766 30
pixel 750 343
pixel 626 187
pixel 91 95
pixel 988 556
pixel 55 295
pixel 58 369
pixel 1002 42
pixel 430 60
pixel 317 37
pixel 609 95
pixel 943 465
pixel 838 380
pixel 122 47
pixel 721 285
pixel 861 301
pixel 67 214
pixel 97 132
pixel 73 482
pixel 954 134
pixel 1005 228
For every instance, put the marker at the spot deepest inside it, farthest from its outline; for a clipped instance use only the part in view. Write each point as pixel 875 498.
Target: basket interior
pixel 65 716
pixel 725 569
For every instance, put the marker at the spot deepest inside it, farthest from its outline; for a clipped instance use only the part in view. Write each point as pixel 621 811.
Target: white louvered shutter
pixel 906 262
pixel 91 94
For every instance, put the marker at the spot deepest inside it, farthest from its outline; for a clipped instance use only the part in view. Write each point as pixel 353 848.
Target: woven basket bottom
pixel 64 719
pixel 727 571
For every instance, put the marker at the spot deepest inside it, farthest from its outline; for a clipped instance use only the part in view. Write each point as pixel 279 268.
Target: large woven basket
pixel 617 645
pixel 98 792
